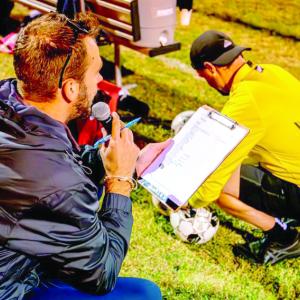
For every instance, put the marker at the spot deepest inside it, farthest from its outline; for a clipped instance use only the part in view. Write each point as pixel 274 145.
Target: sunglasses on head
pixel 101 39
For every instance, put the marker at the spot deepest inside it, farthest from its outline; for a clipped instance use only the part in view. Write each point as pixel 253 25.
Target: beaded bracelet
pixel 132 181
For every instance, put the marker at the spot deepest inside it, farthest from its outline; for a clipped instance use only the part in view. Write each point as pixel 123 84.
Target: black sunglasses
pixel 101 39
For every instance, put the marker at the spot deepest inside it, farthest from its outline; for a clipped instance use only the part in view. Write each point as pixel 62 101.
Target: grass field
pixel 169 86
pixel 277 17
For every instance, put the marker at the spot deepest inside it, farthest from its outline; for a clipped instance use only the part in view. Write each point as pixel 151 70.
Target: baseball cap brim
pixel 228 57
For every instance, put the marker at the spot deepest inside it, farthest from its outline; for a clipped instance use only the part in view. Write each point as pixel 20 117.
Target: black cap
pixel 215 47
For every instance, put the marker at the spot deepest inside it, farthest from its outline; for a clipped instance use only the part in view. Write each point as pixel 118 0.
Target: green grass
pixel 169 86
pixel 276 16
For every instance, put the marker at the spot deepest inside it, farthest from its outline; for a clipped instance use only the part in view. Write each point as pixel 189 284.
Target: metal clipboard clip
pixel 224 120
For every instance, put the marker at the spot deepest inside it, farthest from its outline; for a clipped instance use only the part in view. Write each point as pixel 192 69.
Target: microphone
pixel 101 112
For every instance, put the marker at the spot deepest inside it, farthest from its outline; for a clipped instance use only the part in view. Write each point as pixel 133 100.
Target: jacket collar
pixel 56 132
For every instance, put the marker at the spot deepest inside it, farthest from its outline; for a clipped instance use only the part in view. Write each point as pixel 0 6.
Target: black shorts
pixel 272 195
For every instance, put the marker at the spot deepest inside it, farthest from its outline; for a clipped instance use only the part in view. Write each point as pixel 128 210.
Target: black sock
pixel 281 233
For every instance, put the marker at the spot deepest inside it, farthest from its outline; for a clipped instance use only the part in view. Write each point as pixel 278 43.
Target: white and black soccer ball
pixel 194 225
pixel 179 121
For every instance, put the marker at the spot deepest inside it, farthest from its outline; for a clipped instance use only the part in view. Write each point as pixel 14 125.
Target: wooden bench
pixel 120 18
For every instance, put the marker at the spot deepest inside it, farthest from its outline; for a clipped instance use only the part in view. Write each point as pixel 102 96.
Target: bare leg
pixel 237 208
pixel 229 202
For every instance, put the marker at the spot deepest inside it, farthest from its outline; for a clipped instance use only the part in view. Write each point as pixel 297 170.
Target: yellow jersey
pixel 266 99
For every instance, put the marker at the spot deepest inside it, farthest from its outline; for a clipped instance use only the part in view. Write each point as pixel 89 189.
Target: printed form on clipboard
pixel 197 150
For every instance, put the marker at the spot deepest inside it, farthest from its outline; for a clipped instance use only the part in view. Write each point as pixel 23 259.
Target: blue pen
pixel 107 137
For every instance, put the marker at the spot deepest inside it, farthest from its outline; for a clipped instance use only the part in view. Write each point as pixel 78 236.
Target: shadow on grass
pixel 228 18
pixel 108 70
pixel 165 124
pixel 246 235
pixel 164 103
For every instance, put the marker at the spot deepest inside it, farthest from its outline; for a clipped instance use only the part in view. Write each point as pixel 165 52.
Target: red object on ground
pixel 89 131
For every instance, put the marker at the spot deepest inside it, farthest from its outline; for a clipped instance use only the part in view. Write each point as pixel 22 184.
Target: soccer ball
pixel 180 120
pixel 194 225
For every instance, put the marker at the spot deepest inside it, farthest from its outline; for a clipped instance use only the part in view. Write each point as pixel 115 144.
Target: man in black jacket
pixel 50 221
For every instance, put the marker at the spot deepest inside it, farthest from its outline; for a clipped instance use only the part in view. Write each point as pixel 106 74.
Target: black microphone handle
pixel 107 124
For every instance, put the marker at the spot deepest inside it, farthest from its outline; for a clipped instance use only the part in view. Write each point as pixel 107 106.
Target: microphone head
pixel 101 111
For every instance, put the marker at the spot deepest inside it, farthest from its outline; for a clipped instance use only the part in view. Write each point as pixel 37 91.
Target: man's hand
pixel 148 154
pixel 119 157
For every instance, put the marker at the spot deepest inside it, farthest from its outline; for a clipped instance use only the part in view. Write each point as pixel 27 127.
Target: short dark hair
pixel 41 50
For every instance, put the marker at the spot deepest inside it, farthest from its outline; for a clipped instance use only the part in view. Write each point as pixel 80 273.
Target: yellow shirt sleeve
pixel 242 108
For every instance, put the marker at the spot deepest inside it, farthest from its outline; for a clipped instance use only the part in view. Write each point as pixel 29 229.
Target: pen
pixel 107 137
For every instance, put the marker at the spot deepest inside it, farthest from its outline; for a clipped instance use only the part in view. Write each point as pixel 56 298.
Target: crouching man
pixel 264 98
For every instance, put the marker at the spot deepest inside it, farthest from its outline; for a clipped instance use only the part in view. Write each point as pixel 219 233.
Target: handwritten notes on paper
pixel 198 149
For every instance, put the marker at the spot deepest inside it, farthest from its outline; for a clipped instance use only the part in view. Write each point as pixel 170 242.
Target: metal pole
pixel 82 5
pixel 118 74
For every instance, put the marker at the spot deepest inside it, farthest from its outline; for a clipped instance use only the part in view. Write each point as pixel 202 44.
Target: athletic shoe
pixel 291 222
pixel 265 251
pixel 277 252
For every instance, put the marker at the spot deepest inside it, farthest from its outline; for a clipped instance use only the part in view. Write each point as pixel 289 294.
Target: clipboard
pixel 199 148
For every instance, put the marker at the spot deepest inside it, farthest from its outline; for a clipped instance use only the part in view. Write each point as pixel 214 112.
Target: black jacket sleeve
pixel 77 244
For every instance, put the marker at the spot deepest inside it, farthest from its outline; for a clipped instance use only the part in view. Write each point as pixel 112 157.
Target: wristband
pixel 130 180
